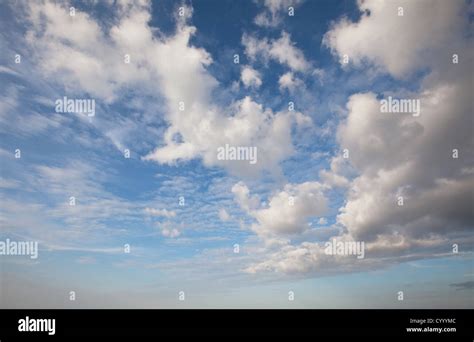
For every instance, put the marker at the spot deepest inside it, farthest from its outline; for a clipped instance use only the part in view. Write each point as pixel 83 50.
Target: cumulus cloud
pixel 243 198
pixel 395 154
pixel 402 155
pixel 337 175
pixel 392 155
pixel 291 259
pixel 170 66
pixel 412 158
pixel 57 38
pixel 289 81
pixel 309 258
pixel 288 210
pixel 282 50
pixel 250 77
pixel 402 43
pixel 169 230
pixel 248 124
pixel 272 16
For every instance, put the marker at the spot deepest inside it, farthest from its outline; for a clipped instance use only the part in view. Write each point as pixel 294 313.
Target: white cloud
pixel 401 155
pixel 160 212
pixel 396 155
pixel 170 232
pixel 274 11
pixel 247 124
pixel 402 43
pixel 282 50
pixel 288 210
pixel 250 77
pixel 8 183
pixel 8 71
pixel 392 155
pixel 224 215
pixel 243 198
pixel 289 81
pixel 335 176
pixel 412 158
pixel 309 258
pixel 57 38
pixel 291 259
pixel 322 221
pixel 168 65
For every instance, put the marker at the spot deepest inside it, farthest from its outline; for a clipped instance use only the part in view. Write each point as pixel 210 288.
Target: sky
pixel 132 207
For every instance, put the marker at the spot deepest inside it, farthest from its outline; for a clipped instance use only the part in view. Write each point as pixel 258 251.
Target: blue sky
pixel 281 211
